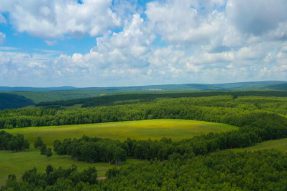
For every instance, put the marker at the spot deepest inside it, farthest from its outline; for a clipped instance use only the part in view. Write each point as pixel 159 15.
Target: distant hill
pixel 145 97
pixel 223 86
pixel 261 85
pixel 33 89
pixel 12 101
pixel 278 86
pixel 69 93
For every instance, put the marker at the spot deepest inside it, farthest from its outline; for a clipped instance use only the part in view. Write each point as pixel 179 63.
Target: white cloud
pixel 190 21
pixel 54 18
pixel 257 16
pixel 169 42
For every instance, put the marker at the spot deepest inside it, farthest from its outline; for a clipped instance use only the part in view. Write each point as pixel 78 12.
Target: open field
pixel 279 145
pixel 19 162
pixel 145 129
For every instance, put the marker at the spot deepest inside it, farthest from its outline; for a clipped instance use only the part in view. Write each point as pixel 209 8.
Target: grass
pixel 279 145
pixel 19 162
pixel 145 129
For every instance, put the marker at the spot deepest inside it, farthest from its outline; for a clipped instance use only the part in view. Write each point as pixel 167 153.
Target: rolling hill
pixel 51 94
pixel 11 101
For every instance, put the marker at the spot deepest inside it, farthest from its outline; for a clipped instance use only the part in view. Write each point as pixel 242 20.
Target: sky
pixel 88 43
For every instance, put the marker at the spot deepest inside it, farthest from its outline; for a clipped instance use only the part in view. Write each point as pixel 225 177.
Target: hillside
pixel 11 101
pixel 146 97
pixel 67 93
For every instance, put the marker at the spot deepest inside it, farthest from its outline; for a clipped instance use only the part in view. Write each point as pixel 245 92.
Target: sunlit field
pixel 145 129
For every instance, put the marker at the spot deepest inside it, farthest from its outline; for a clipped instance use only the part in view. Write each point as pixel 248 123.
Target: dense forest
pixel 89 98
pixel 10 101
pixel 12 142
pixel 145 97
pixel 199 163
pixel 53 179
pixel 239 111
pixel 112 151
pixel 92 149
pixel 226 171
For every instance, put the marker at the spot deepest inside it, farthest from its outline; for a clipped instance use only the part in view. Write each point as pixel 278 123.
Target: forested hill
pixel 11 101
pixel 49 94
pixel 260 85
pixel 119 99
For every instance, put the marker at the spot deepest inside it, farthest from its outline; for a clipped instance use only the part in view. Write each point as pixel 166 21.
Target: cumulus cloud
pixel 185 21
pixel 163 42
pixel 119 51
pixel 257 16
pixel 54 18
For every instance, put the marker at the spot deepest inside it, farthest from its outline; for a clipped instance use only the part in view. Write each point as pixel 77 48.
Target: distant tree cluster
pixel 92 149
pixel 53 180
pixel 44 150
pixel 11 101
pixel 12 142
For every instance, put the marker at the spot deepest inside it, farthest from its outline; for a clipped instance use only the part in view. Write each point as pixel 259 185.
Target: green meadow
pixel 279 145
pixel 19 162
pixel 145 129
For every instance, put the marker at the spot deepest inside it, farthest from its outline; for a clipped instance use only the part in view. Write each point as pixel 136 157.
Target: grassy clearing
pixel 145 129
pixel 18 162
pixel 279 145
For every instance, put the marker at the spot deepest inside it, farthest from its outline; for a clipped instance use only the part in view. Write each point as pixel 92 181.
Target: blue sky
pixel 138 42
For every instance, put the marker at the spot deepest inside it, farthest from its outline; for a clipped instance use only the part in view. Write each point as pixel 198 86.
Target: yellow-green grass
pixel 19 162
pixel 279 145
pixel 145 129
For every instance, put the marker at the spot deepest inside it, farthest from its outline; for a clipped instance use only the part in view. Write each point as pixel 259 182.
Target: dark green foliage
pixel 179 166
pixel 240 111
pixel 49 169
pixel 38 143
pixel 48 152
pixel 144 97
pixel 54 180
pixel 92 149
pixel 105 150
pixel 12 142
pixel 221 171
pixel 44 150
pixel 225 171
pixel 10 101
pixel 279 87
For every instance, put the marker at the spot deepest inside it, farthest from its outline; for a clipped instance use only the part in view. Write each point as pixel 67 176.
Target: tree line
pixel 224 109
pixel 145 97
pixel 267 127
pixel 53 180
pixel 244 171
pixel 12 142
pixel 11 101
pixel 91 149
